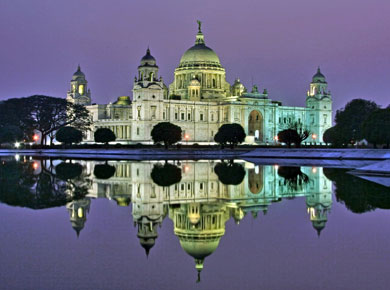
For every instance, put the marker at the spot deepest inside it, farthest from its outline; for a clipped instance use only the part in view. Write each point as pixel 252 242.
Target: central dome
pixel 200 54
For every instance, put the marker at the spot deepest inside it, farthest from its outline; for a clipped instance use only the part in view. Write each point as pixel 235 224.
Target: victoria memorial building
pixel 200 100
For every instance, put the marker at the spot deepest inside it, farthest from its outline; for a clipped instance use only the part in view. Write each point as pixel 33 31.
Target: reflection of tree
pixel 66 171
pixel 357 194
pixel 166 175
pixel 21 185
pixel 104 171
pixel 294 178
pixel 230 173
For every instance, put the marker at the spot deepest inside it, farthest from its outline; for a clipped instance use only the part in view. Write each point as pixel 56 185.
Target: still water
pixel 78 224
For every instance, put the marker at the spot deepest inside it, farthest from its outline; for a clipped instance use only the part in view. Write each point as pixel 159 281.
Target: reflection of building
pixel 200 100
pixel 199 205
pixel 78 210
pixel 199 227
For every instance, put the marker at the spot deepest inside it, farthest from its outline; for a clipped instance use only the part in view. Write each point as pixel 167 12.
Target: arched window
pixel 214 83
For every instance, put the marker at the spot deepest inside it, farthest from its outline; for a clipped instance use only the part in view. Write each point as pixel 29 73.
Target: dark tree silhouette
pixel 69 135
pixel 104 135
pixel 166 175
pixel 167 133
pixel 10 134
pixel 44 114
pixel 66 171
pixel 333 136
pixel 294 178
pixel 230 173
pixel 232 134
pixel 288 136
pixel 376 127
pixel 104 171
pixel 357 194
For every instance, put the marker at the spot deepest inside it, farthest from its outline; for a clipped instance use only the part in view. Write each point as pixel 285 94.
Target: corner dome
pixel 319 77
pixel 78 74
pixel 148 59
pixel 123 101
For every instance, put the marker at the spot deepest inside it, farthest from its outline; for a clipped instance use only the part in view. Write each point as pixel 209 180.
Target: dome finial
pixel 78 67
pixel 199 35
pixel 199 26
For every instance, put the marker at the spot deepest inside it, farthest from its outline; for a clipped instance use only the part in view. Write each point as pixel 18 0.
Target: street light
pixel 35 137
pixel 314 136
pixel 186 137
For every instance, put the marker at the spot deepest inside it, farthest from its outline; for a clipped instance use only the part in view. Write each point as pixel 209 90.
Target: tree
pixel 288 136
pixel 232 134
pixel 167 133
pixel 66 170
pixel 44 114
pixel 230 173
pixel 349 119
pixel 333 136
pixel 104 135
pixel 302 132
pixel 69 135
pixel 376 127
pixel 10 134
pixel 165 175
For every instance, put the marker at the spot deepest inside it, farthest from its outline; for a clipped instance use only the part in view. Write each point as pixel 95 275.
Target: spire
pixel 199 35
pixel 78 67
pixel 148 51
pixel 199 267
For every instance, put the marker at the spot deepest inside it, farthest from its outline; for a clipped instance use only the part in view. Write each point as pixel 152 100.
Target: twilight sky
pixel 276 43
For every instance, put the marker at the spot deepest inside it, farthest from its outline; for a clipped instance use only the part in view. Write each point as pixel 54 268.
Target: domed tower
pixel 78 210
pixel 199 228
pixel 238 88
pixel 319 105
pixel 201 63
pixel 147 232
pixel 79 93
pixel 148 93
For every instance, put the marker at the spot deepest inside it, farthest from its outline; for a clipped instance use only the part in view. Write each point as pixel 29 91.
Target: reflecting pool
pixel 207 224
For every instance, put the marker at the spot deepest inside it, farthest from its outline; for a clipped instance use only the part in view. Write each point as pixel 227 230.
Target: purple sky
pixel 277 43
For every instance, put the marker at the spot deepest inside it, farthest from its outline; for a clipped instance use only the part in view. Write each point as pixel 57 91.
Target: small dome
pixel 148 59
pixel 319 77
pixel 199 249
pixel 123 101
pixel 194 83
pixel 78 74
pixel 238 84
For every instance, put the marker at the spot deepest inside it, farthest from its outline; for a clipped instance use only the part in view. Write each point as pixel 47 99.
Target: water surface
pixel 76 224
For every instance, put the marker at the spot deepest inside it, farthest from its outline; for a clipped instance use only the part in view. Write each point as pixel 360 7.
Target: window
pixel 139 112
pixel 182 116
pixel 153 109
pixel 182 187
pixel 176 116
pixel 201 186
pixel 164 115
pixel 137 131
pixel 189 117
pixel 212 117
pixel 280 120
pixel 214 83
pixel 284 120
pixel 299 120
pixel 325 119
pixel 201 117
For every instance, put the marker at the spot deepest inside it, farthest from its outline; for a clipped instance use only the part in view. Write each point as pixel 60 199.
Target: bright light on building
pixel 35 137
pixel 17 157
pixel 276 138
pixel 314 136
pixel 186 137
pixel 314 170
pixel 17 145
pixel 276 166
pixel 35 165
pixel 186 168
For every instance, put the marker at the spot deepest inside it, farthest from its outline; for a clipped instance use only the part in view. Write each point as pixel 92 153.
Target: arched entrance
pixel 255 180
pixel 255 125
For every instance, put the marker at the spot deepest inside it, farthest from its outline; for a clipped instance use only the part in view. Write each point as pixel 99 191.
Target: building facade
pixel 200 100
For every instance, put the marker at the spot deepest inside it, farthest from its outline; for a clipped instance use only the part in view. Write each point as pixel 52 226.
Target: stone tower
pixel 319 108
pixel 79 92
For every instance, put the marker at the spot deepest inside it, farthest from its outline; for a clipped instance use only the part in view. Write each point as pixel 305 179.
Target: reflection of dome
pixel 319 226
pixel 200 54
pixel 122 200
pixel 319 77
pixel 78 74
pixel 123 101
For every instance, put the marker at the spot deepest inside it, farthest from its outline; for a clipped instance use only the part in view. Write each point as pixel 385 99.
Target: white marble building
pixel 200 100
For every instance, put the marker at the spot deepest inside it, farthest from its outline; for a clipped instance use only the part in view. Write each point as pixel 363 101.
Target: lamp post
pixel 314 136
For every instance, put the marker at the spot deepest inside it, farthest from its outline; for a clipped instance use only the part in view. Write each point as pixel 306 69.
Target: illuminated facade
pixel 200 100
